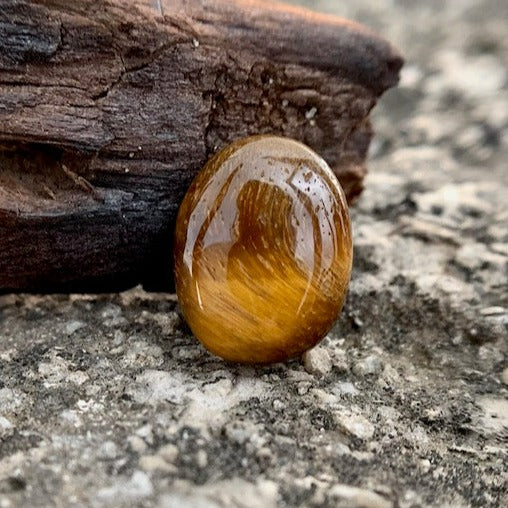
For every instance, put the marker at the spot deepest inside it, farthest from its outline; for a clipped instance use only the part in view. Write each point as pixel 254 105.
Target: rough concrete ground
pixel 108 401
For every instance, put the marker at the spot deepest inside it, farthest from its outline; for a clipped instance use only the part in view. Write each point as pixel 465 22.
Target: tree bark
pixel 109 108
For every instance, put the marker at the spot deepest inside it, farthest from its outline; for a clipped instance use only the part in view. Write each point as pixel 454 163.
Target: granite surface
pixel 109 401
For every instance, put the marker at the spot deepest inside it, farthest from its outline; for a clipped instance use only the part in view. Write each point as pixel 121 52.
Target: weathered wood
pixel 108 109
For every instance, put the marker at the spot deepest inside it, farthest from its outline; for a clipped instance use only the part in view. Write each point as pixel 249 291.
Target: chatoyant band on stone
pixel 263 251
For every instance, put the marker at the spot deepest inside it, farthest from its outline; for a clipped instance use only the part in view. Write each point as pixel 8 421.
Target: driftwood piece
pixel 109 108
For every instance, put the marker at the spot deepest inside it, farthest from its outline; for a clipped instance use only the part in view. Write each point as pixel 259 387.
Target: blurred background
pixel 453 89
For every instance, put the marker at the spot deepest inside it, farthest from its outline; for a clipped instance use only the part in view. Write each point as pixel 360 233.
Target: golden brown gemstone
pixel 263 251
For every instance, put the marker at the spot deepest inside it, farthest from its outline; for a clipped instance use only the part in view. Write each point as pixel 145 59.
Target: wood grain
pixel 109 108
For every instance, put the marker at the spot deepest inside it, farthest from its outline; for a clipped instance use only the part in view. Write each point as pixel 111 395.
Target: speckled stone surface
pixel 108 401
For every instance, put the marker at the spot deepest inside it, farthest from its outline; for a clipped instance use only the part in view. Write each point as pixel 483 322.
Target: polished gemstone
pixel 263 251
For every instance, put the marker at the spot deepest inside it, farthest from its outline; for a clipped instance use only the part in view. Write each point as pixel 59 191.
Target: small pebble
pixel 493 311
pixel 5 425
pixel 491 355
pixel 340 361
pixel 73 326
pixel 145 432
pixel 425 465
pixel 356 426
pixel 108 450
pixel 125 492
pixel 155 463
pixel 358 498
pixel 317 361
pixel 137 444
pixel 278 405
pixel 347 388
pixel 201 459
pixel 169 453
pixel 371 365
pixel 311 113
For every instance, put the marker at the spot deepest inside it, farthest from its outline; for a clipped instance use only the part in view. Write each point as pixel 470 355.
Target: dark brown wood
pixel 109 108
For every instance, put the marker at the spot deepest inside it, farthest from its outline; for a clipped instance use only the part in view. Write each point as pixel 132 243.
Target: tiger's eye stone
pixel 263 251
